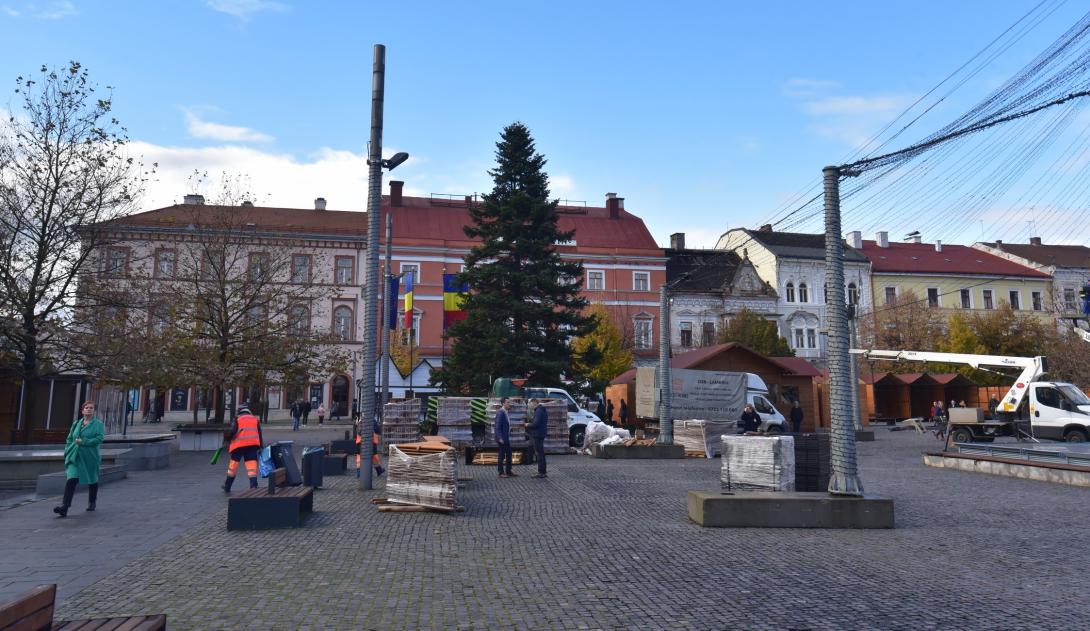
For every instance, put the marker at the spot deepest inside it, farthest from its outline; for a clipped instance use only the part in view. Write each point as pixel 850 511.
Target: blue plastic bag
pixel 265 464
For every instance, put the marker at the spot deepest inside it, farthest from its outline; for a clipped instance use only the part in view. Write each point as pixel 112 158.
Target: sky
pixel 704 116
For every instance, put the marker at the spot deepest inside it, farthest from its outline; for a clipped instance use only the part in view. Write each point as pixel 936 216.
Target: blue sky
pixel 704 116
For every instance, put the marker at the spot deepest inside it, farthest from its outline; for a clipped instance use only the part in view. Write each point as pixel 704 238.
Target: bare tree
pixel 62 167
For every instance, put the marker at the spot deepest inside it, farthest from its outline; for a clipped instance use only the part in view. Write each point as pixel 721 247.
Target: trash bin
pixel 283 456
pixel 312 466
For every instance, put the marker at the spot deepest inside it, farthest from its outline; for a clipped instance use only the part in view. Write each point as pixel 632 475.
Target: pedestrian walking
pixel 538 429
pixel 796 418
pixel 609 412
pixel 244 443
pixel 82 458
pixel 321 413
pixel 751 421
pixel 376 458
pixel 306 411
pixel 624 413
pixel 993 405
pixel 503 439
pixel 296 414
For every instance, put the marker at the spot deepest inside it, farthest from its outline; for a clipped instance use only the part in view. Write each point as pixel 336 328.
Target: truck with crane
pixel 1031 408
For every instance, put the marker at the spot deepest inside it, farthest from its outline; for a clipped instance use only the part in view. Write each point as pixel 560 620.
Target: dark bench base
pixel 334 464
pixel 134 623
pixel 255 509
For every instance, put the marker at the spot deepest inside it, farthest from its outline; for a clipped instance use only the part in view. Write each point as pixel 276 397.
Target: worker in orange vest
pixel 245 444
pixel 376 460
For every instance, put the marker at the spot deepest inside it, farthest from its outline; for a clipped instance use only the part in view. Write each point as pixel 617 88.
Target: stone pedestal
pixel 788 510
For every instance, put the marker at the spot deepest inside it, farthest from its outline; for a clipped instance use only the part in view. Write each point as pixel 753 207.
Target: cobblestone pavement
pixel 599 544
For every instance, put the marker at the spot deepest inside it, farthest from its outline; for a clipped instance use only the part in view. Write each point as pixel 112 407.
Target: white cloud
pixel 275 179
pixel 244 9
pixel 198 128
pixel 52 10
pixel 561 185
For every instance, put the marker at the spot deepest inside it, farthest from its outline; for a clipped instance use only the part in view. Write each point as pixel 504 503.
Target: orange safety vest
pixel 247 434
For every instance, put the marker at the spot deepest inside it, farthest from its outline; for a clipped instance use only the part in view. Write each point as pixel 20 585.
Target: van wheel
pixel 961 435
pixel 1075 435
pixel 774 430
pixel 575 438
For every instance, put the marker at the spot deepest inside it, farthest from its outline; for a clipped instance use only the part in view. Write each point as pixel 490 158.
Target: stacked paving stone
pixel 758 463
pixel 454 419
pixel 516 413
pixel 423 480
pixel 812 468
pixel 401 422
pixel 702 435
pixel 556 437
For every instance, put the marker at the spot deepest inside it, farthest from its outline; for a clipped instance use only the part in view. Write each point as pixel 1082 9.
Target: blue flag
pixel 391 293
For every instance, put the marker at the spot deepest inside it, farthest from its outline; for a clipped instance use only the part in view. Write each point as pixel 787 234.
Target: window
pixel 800 341
pixel 256 315
pixel 1047 396
pixel 686 334
pixel 966 299
pixel 416 327
pixel 300 268
pixel 343 268
pixel 1038 305
pixel 643 333
pixel 989 301
pixel 1016 299
pixel 596 279
pixel 117 262
pixel 762 406
pixel 299 320
pixel 811 338
pixel 410 268
pixel 342 323
pixel 853 294
pixel 709 334
pixel 641 281
pixel 790 293
pixel 1069 300
pixel 804 293
pixel 933 297
pixel 891 295
pixel 159 317
pixel 259 266
pixel 164 264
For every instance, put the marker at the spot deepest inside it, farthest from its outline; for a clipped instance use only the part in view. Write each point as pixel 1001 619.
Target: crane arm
pixel 1032 367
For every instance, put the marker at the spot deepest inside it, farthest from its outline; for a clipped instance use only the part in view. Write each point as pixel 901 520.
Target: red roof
pixel 264 219
pixel 922 258
pixel 794 366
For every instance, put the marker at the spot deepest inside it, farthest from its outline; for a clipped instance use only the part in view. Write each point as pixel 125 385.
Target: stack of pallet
pixel 454 419
pixel 516 413
pixel 422 474
pixel 758 463
pixel 556 437
pixel 701 437
pixel 401 422
pixel 812 469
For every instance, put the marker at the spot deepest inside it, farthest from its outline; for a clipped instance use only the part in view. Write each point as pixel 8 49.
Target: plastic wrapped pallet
pixel 702 435
pixel 454 422
pixel 758 463
pixel 598 433
pixel 401 422
pixel 516 414
pixel 556 433
pixel 423 480
pixel 813 453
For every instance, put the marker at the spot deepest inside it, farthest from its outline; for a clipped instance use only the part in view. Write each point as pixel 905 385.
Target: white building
pixel 1068 265
pixel 794 264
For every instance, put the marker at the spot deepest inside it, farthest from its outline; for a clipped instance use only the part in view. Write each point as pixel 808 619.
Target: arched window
pixel 790 292
pixel 853 294
pixel 804 293
pixel 342 323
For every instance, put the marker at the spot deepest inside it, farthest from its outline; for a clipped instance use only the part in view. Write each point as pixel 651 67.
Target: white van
pixel 578 418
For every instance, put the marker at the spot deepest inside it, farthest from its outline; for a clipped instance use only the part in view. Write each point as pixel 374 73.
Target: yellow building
pixel 951 277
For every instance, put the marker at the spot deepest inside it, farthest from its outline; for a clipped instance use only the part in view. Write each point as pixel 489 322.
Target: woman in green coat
pixel 81 458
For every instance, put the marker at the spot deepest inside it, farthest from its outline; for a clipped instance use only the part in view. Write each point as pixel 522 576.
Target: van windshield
pixel 1073 394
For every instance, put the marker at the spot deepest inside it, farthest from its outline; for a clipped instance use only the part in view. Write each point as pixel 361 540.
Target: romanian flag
pixel 453 295
pixel 409 300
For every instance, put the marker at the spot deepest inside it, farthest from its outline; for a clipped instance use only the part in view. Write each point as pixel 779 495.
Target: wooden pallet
pixel 695 454
pixel 639 442
pixel 493 458
pixel 386 506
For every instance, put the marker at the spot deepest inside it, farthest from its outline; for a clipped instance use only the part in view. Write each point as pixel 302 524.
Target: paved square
pixel 601 544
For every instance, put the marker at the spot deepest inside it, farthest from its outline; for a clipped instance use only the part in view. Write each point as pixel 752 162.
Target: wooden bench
pixel 33 611
pixel 275 506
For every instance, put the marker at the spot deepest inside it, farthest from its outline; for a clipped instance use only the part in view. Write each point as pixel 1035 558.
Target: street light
pixel 395 160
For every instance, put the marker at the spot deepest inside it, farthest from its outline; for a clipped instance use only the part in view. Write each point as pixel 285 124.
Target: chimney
pixel 395 192
pixel 917 238
pixel 765 228
pixel 195 200
pixel 612 206
pixel 938 245
pixel 677 241
pixel 247 204
pixel 999 241
pixel 1035 240
pixel 319 203
pixel 882 239
pixel 855 239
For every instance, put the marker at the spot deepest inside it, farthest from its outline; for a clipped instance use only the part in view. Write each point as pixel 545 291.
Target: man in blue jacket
pixel 539 428
pixel 503 439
